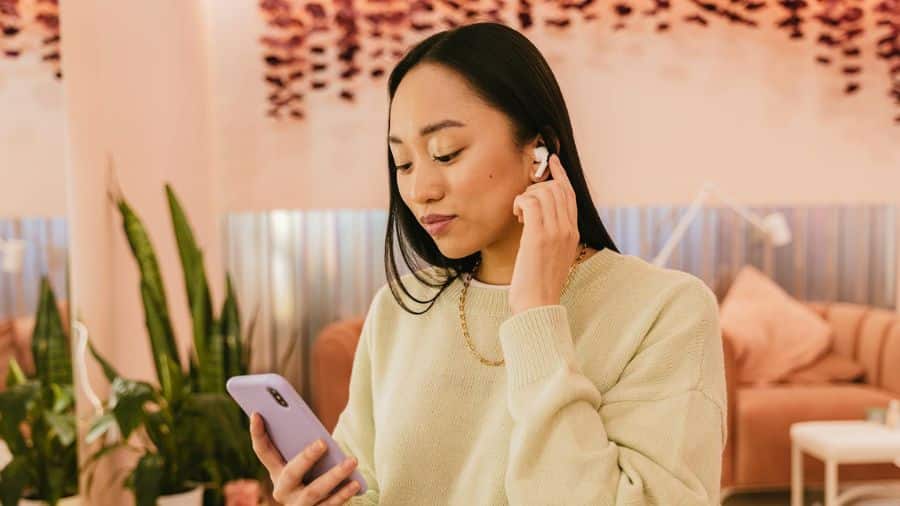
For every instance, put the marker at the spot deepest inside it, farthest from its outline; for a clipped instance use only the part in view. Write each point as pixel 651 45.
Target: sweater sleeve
pixel 355 428
pixel 655 437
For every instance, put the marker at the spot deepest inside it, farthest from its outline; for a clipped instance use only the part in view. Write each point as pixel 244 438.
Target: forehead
pixel 430 92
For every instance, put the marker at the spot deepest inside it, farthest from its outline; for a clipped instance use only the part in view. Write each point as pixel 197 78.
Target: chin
pixel 453 249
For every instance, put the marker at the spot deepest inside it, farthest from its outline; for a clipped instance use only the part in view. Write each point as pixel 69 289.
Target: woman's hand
pixel 287 477
pixel 549 242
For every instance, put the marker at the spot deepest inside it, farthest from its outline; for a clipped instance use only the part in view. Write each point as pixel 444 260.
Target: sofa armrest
pixel 331 367
pixel 729 459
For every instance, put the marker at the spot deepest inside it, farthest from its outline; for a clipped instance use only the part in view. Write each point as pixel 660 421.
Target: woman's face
pixel 465 165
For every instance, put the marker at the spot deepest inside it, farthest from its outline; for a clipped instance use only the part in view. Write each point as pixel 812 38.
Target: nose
pixel 427 186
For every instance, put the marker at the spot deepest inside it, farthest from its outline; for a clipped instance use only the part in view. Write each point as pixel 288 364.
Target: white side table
pixel 842 442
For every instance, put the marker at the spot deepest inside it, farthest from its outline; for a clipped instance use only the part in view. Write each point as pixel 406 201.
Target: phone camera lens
pixel 277 396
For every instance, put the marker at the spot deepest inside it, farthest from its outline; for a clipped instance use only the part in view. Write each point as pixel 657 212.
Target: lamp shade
pixel 777 227
pixel 13 253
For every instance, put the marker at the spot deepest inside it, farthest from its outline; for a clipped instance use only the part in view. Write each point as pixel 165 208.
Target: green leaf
pixel 160 428
pixel 63 425
pixel 143 251
pixel 160 334
pixel 152 287
pixel 230 328
pixel 220 427
pixel 196 286
pixel 171 379
pixel 108 370
pixel 146 479
pixel 209 364
pixel 212 371
pixel 13 480
pixel 15 375
pixel 14 405
pixel 39 342
pixel 63 398
pixel 99 426
pixel 128 403
pixel 191 257
pixel 49 343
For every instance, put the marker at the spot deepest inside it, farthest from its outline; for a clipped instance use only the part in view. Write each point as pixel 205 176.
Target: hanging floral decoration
pixel 307 38
pixel 21 22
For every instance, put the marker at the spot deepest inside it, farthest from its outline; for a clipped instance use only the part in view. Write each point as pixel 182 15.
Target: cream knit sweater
pixel 614 396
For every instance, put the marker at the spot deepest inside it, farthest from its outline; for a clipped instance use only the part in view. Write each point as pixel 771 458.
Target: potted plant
pixel 194 436
pixel 37 418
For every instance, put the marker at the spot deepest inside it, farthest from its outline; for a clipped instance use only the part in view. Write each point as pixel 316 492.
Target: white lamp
pixel 13 254
pixel 774 225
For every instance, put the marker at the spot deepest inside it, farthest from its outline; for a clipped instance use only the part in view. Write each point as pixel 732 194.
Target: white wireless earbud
pixel 542 157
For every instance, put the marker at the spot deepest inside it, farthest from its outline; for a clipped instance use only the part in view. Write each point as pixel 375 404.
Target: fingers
pixel 322 486
pixel 292 475
pixel 547 201
pixel 343 495
pixel 263 447
pixel 557 209
pixel 529 210
pixel 565 207
pixel 566 186
pixel 558 172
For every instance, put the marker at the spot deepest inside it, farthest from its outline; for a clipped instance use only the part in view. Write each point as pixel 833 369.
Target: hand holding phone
pixel 284 433
pixel 287 476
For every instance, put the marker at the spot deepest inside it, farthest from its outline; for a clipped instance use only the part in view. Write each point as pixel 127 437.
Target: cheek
pixel 489 197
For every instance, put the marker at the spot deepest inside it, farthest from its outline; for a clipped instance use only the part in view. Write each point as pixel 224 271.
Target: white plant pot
pixel 190 498
pixel 74 500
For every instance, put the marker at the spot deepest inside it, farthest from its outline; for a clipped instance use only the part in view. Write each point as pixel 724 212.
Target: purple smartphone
pixel 291 425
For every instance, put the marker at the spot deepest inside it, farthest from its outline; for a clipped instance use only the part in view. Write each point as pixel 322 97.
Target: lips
pixel 437 225
pixel 435 218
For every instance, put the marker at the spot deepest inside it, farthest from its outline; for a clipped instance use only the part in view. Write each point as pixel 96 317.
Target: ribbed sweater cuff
pixel 536 343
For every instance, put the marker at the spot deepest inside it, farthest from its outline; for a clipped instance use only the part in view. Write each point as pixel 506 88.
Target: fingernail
pixel 320 445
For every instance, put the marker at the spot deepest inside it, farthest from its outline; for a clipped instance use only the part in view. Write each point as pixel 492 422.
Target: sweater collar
pixel 494 301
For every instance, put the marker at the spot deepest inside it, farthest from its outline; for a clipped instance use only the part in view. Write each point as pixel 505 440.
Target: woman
pixel 546 367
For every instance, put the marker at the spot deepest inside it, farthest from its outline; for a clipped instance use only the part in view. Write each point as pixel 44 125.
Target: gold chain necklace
pixel 462 305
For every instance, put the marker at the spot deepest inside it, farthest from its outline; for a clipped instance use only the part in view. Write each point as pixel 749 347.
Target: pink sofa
pixel 757 455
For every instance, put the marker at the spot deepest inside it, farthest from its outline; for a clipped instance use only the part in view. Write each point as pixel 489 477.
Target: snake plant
pixel 37 415
pixel 192 432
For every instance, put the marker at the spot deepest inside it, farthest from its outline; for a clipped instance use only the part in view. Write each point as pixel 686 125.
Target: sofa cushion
pixel 845 320
pixel 764 417
pixel 873 335
pixel 773 333
pixel 829 368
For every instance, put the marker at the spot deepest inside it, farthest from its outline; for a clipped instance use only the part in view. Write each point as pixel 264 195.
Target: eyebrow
pixel 430 129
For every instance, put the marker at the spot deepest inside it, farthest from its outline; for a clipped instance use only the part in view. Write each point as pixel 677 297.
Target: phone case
pixel 291 428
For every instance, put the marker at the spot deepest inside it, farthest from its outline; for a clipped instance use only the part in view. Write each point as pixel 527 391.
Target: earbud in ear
pixel 541 157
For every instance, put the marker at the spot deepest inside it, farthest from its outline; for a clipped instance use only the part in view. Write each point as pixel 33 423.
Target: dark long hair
pixel 507 71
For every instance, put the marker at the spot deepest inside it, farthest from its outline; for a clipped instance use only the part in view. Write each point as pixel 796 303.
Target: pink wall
pixel 655 116
pixel 32 157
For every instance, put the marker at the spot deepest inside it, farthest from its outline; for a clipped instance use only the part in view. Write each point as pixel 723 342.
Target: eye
pixel 447 158
pixel 404 167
